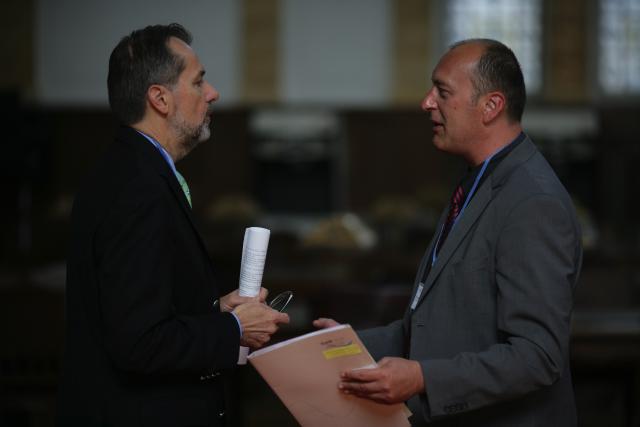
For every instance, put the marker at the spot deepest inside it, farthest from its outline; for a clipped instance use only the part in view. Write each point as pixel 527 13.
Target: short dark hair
pixel 498 70
pixel 141 59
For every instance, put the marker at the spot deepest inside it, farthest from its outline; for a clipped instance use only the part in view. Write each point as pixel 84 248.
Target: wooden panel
pixel 411 49
pixel 16 73
pixel 260 56
pixel 565 44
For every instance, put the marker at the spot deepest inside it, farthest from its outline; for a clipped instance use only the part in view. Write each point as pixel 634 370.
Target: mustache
pixel 210 109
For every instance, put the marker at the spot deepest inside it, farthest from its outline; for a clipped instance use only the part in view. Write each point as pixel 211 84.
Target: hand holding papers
pixel 254 254
pixel 394 380
pixel 304 372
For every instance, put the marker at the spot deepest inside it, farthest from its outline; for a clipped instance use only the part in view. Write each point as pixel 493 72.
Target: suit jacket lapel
pixel 473 211
pixel 426 259
pixel 155 160
pixel 458 233
pixel 181 199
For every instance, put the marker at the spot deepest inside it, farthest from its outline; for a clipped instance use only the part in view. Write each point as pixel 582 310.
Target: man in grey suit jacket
pixel 485 339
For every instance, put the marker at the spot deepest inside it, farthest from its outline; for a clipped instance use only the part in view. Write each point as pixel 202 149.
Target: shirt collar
pixel 472 172
pixel 161 149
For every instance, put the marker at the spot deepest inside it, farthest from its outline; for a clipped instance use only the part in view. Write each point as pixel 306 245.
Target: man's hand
pixel 233 299
pixel 258 322
pixel 394 380
pixel 323 323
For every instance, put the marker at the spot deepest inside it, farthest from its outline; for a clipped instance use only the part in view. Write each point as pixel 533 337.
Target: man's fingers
pixel 282 318
pixel 256 339
pixel 377 390
pixel 361 388
pixel 263 338
pixel 324 322
pixel 361 375
pixel 385 361
pixel 362 380
pixel 264 293
pixel 367 383
pixel 377 397
pixel 381 397
pixel 394 380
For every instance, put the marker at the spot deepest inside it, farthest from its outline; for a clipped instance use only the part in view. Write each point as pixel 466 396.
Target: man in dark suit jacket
pixel 485 339
pixel 149 337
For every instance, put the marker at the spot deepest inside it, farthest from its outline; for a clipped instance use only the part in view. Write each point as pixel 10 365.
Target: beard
pixel 189 135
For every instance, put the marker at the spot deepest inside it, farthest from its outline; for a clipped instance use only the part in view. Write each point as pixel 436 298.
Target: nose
pixel 429 103
pixel 212 94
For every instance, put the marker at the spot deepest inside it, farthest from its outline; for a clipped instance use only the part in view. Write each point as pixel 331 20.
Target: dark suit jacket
pixel 144 345
pixel 491 328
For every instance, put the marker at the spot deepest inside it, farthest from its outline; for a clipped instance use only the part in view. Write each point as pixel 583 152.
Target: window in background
pixel 516 23
pixel 619 46
pixel 335 52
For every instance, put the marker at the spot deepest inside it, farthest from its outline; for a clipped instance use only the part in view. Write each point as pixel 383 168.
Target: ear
pixel 159 98
pixel 493 105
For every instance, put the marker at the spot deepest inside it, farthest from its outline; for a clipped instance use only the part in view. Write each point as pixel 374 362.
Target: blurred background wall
pixel 318 135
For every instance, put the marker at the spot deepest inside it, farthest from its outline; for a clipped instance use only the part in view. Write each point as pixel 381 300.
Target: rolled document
pixel 254 253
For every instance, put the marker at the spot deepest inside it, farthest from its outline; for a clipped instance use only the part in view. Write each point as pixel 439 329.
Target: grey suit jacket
pixel 491 326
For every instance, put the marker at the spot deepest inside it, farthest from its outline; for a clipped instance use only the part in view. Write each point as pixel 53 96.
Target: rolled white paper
pixel 254 254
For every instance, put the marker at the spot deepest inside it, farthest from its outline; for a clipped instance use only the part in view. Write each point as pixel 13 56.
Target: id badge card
pixel 416 298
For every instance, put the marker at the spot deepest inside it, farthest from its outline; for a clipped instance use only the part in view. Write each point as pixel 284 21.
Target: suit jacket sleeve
pixel 136 250
pixel 384 341
pixel 535 269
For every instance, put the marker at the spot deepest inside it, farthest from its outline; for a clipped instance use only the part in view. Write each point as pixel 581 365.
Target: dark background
pixel 370 172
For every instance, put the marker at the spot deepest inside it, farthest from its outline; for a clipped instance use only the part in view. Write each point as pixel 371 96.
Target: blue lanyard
pixel 434 256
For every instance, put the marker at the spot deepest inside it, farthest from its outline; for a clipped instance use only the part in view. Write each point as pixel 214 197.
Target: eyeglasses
pixel 281 301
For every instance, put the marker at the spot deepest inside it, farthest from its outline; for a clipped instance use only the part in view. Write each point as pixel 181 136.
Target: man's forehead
pixel 461 58
pixel 467 53
pixel 181 48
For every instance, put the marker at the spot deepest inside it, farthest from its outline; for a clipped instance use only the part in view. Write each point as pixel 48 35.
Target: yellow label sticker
pixel 347 350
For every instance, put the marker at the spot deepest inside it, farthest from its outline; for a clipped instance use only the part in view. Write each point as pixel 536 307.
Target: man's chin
pixel 438 143
pixel 203 137
pixel 192 143
pixel 205 133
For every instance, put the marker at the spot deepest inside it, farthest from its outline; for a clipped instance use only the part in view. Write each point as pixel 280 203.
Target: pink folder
pixel 304 373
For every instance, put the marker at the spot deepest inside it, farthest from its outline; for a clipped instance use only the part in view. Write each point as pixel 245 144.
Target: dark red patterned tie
pixel 454 211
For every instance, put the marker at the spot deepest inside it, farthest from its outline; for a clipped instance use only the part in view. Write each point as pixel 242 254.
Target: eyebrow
pixel 200 74
pixel 438 82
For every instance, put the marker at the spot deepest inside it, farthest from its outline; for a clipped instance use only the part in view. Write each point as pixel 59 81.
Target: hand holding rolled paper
pixel 233 299
pixel 254 254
